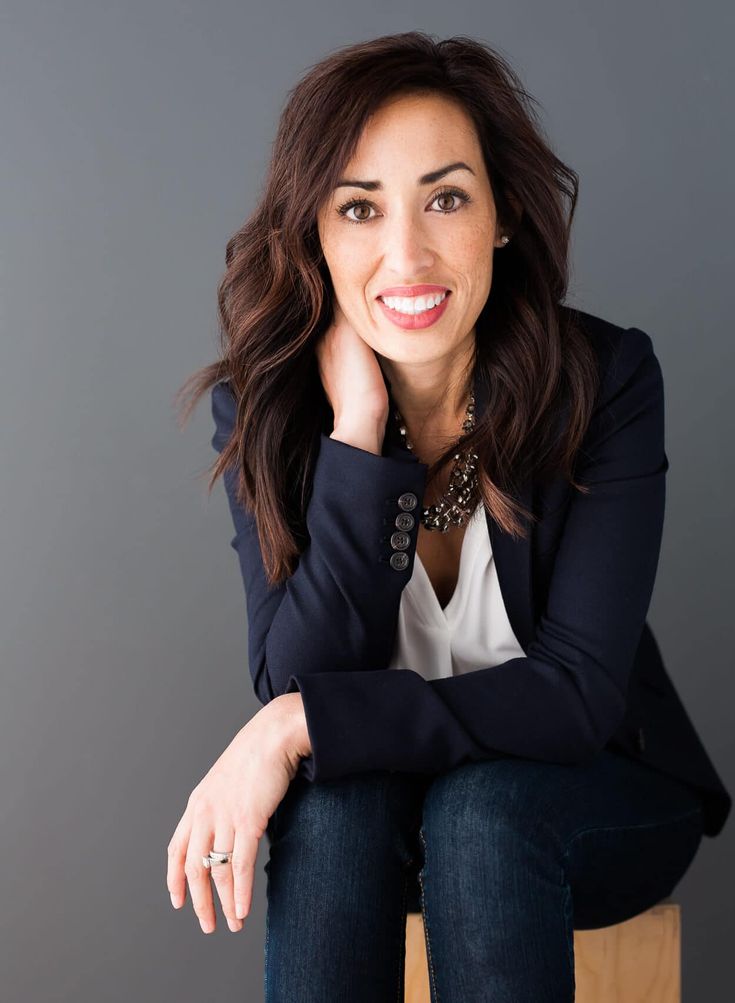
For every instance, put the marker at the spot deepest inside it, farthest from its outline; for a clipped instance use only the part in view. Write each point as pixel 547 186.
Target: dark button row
pixel 400 541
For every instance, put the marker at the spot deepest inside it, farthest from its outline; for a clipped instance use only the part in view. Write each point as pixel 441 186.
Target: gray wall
pixel 135 136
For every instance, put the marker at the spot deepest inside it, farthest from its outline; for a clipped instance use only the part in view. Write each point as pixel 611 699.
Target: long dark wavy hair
pixel 275 297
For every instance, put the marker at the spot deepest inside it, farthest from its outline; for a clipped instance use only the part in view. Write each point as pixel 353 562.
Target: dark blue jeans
pixel 511 856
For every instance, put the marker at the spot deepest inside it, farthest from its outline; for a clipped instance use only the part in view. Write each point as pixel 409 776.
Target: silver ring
pixel 217 857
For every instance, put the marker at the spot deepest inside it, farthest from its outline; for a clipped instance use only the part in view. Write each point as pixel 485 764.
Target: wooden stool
pixel 638 961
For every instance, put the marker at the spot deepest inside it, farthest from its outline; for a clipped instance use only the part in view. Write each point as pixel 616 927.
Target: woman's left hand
pixel 229 809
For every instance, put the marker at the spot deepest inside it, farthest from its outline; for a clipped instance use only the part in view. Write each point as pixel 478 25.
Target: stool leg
pixel 417 966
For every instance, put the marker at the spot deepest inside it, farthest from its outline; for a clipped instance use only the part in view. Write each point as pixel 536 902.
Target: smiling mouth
pixel 414 306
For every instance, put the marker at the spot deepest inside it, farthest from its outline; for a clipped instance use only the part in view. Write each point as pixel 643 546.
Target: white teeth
pixel 413 304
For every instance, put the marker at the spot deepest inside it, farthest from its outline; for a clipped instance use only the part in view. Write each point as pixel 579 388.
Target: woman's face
pixel 414 230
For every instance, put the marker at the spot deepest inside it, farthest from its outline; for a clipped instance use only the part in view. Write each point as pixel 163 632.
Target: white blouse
pixel 472 631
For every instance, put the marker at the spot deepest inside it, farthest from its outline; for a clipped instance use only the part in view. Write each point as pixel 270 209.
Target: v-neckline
pixel 445 613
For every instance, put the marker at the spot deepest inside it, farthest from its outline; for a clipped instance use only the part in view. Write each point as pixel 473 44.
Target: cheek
pixel 483 265
pixel 350 271
pixel 472 246
pixel 478 239
pixel 338 262
pixel 476 267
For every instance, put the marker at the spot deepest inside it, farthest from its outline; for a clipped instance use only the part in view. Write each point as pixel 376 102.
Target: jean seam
pixel 267 911
pixel 432 975
pixel 400 996
pixel 617 828
pixel 265 952
pixel 568 911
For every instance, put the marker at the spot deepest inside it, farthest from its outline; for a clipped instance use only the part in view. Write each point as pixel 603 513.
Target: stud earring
pixel 504 239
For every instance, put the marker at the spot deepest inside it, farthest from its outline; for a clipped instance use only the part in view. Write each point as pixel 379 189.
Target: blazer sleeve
pixel 565 698
pixel 338 611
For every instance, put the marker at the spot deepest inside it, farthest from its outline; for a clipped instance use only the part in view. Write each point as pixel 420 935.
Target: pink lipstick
pixel 414 321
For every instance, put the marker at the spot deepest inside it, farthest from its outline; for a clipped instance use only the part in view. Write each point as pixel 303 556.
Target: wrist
pixel 293 734
pixel 363 434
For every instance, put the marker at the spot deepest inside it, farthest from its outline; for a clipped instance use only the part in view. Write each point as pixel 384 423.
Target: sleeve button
pixel 399 560
pixel 405 521
pixel 407 501
pixel 400 541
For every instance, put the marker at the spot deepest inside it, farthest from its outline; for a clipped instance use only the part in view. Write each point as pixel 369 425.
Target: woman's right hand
pixel 351 376
pixel 230 807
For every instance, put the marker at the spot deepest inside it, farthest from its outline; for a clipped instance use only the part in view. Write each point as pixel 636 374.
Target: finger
pixel 176 851
pixel 244 855
pixel 200 887
pixel 222 874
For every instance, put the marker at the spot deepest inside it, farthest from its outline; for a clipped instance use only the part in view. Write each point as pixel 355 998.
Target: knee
pixel 483 808
pixel 351 818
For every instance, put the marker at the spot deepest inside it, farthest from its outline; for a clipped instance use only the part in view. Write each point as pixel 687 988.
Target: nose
pixel 408 252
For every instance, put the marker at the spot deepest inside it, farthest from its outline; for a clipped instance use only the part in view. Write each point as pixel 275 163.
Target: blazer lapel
pixel 513 563
pixel 512 557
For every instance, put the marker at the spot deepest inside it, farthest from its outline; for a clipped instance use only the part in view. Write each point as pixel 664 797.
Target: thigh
pixel 622 834
pixel 337 876
pixel 355 816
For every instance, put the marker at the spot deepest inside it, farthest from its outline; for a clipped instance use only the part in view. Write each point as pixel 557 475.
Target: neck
pixel 432 398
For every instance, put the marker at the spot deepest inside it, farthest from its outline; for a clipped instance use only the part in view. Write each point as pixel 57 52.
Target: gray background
pixel 135 136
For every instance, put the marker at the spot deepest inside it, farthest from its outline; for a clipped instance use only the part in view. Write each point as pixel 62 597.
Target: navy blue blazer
pixel 576 592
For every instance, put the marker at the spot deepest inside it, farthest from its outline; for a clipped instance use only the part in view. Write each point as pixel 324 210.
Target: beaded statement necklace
pixel 457 504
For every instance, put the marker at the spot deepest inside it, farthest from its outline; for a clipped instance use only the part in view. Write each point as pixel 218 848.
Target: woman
pixel 448 495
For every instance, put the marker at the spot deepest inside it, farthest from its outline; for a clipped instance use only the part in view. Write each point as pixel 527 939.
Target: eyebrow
pixel 425 179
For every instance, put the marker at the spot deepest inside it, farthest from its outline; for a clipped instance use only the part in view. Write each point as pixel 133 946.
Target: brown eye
pixel 446 195
pixel 452 193
pixel 355 204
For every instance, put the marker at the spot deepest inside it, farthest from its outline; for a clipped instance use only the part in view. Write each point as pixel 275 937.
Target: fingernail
pixel 240 910
pixel 234 925
pixel 174 901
